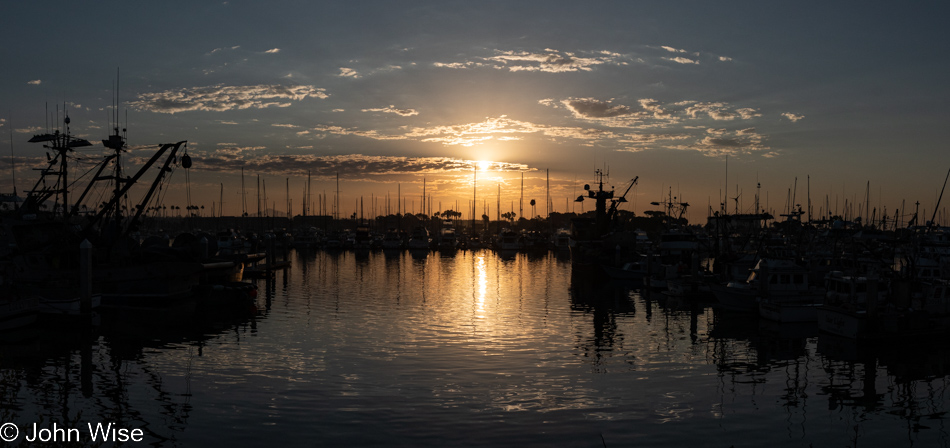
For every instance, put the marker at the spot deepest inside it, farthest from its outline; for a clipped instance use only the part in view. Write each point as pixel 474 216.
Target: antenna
pixel 117 100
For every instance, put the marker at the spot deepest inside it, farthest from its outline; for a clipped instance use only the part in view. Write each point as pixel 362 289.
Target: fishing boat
pixel 18 312
pixel 362 238
pixel 448 239
pixel 562 240
pixel 508 240
pixel 393 240
pixel 631 270
pixel 47 256
pixel 590 237
pixel 849 298
pixel 309 238
pixel 419 239
pixel 777 289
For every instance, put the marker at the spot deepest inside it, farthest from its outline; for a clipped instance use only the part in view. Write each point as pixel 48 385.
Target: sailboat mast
pixel 474 192
pixel 13 170
pixel 809 197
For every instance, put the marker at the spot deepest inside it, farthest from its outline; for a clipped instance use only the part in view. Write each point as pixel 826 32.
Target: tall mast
pixel 474 192
pixel 65 172
pixel 117 143
pixel 725 199
pixel 936 207
pixel 306 196
pixel 13 169
pixel 809 198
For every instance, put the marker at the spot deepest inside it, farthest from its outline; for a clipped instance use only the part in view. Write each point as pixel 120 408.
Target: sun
pixel 483 165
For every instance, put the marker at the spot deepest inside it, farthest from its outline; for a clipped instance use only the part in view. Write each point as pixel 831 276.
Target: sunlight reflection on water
pixel 472 350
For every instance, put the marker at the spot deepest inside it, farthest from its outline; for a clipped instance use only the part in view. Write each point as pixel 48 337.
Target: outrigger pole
pixel 131 181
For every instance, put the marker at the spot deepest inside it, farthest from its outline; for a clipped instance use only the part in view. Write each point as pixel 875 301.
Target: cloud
pixel 724 58
pixel 719 141
pixel 592 108
pixel 281 125
pixel 29 130
pixel 792 117
pixel 747 113
pixel 654 107
pixel 647 112
pixel 351 165
pixel 672 50
pixel 682 60
pixel 273 50
pixel 467 134
pixel 722 142
pixel 346 72
pixel 657 125
pixel 223 98
pixel 392 110
pixel 552 61
pixel 716 111
pixel 217 50
pixel 35 82
pixel 458 65
pixel 504 128
pixel 350 72
pixel 548 60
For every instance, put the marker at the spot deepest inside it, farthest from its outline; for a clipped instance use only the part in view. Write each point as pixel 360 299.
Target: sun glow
pixel 483 165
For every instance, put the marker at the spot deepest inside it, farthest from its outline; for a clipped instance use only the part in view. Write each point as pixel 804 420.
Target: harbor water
pixel 470 348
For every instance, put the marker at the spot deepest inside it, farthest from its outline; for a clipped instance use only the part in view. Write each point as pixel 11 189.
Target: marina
pixel 470 224
pixel 571 330
pixel 383 349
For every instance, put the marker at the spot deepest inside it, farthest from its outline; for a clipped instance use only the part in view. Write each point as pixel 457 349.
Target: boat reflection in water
pixel 111 370
pixel 387 348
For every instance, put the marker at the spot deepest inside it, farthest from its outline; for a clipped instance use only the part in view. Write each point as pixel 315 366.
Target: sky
pixel 704 102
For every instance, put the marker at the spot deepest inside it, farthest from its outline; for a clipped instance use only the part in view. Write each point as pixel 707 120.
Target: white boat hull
pixel 841 322
pixel 17 313
pixel 789 312
pixel 66 307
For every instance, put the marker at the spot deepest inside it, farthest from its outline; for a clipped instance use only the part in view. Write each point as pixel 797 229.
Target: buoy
pixel 186 161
